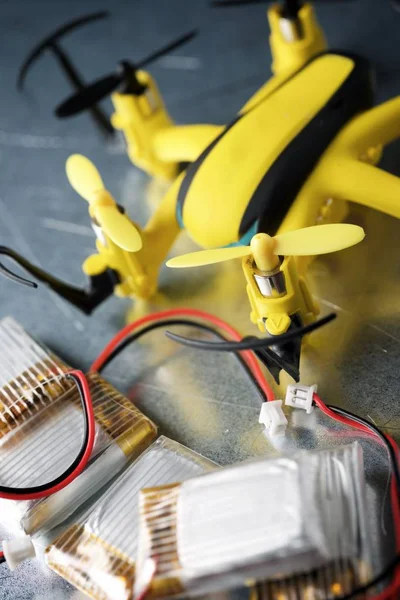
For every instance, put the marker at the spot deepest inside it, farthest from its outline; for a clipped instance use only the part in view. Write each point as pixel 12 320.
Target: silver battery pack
pixel 98 554
pixel 267 519
pixel 41 431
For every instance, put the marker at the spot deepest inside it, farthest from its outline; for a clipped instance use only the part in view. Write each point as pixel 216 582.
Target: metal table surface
pixel 201 400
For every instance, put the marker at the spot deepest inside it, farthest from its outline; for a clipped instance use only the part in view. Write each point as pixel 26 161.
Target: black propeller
pixel 50 40
pixel 52 43
pixel 125 74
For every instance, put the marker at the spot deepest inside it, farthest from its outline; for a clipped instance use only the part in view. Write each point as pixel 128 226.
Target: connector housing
pixel 18 550
pixel 300 396
pixel 273 418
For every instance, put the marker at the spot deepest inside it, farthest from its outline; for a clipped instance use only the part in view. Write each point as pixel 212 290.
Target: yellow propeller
pixel 319 239
pixel 87 182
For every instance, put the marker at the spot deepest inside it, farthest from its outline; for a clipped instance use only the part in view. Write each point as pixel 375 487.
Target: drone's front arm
pixel 275 298
pixel 279 301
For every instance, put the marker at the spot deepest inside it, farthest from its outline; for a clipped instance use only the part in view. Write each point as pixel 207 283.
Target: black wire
pixel 135 336
pixel 396 473
pixel 393 459
pixel 378 433
pixel 364 588
pixel 251 343
pixel 73 465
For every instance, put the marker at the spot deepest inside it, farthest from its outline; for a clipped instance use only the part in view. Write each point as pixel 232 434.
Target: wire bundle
pixel 347 418
pixel 78 464
pixel 242 350
pixel 181 316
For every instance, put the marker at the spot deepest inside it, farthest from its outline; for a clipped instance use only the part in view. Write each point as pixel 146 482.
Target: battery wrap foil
pixel 42 431
pixel 30 376
pixel 275 518
pixel 98 554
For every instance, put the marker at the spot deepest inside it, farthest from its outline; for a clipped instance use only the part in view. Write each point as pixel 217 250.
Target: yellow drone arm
pixel 376 127
pixel 273 313
pixel 293 44
pixel 160 233
pixel 138 271
pixel 184 143
pixel 346 171
pixel 366 184
pixel 140 118
pixel 366 134
pixel 336 180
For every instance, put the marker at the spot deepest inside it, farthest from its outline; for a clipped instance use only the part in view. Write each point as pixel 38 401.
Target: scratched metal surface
pixel 201 400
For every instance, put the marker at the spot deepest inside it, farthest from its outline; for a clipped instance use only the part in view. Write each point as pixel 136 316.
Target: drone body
pixel 300 148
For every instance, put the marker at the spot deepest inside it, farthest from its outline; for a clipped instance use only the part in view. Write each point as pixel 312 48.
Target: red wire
pixel 83 462
pixel 391 592
pixel 186 312
pixel 341 419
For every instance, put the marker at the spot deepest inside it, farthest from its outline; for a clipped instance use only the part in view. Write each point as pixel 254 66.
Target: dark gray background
pixel 200 400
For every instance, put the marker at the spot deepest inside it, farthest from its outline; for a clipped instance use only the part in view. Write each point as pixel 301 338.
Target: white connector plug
pixel 273 418
pixel 301 396
pixel 18 550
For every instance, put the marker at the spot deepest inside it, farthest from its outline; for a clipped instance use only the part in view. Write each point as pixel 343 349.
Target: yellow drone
pixel 277 177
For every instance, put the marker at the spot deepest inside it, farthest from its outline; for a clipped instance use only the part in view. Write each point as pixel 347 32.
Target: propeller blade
pixel 319 239
pixel 51 39
pixel 119 228
pixel 83 176
pixel 94 93
pixel 180 41
pixel 208 257
pixel 89 95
